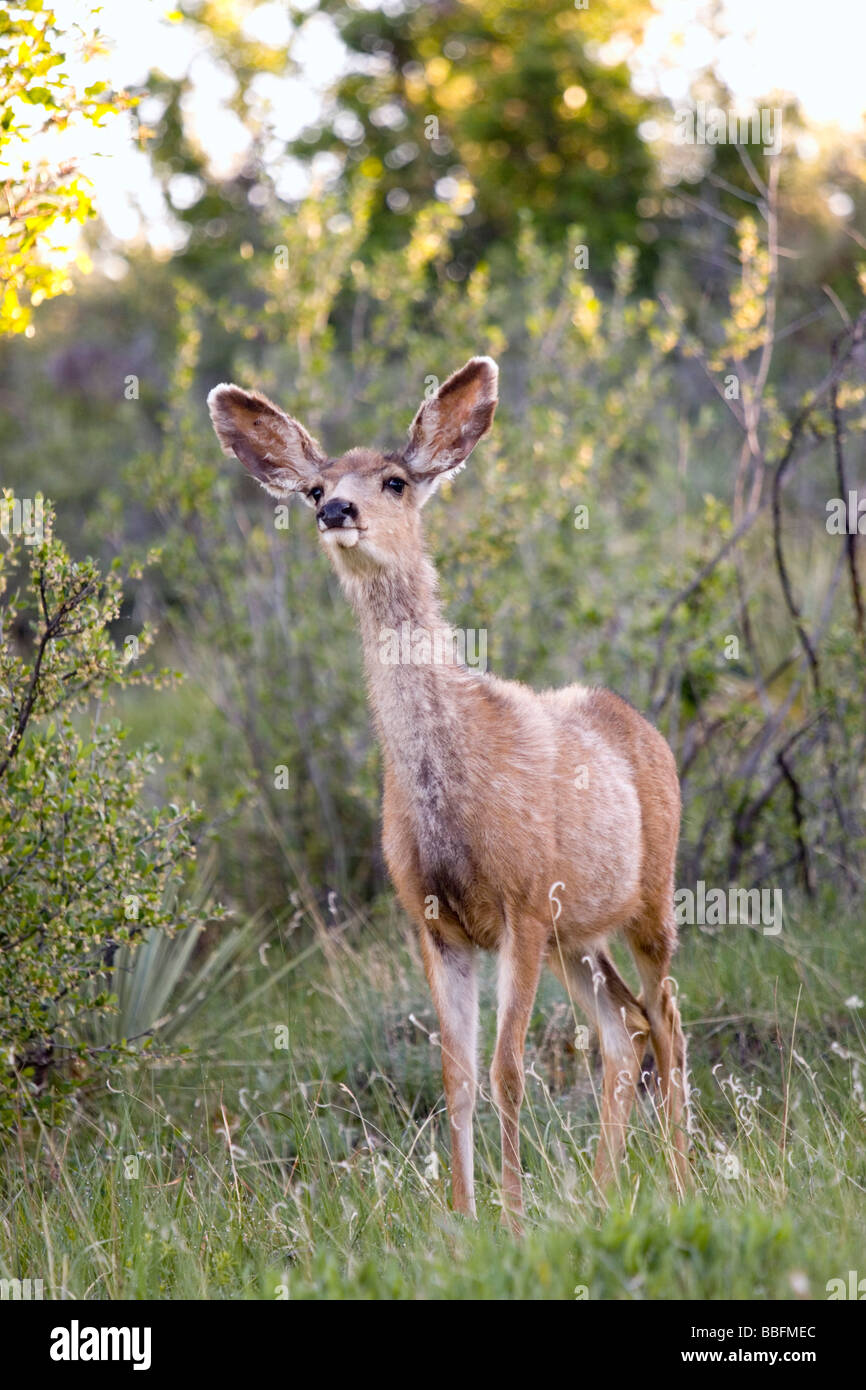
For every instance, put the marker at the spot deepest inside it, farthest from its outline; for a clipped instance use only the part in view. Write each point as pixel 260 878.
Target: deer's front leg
pixel 519 970
pixel 451 973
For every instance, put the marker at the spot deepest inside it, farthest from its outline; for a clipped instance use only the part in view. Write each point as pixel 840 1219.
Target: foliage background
pixel 707 521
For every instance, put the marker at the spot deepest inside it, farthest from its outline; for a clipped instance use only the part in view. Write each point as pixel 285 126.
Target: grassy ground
pixel 298 1149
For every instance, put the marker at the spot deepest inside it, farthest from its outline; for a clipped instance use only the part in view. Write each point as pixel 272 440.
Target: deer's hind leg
pixel 652 939
pixel 594 983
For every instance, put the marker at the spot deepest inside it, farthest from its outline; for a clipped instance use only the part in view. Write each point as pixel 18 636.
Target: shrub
pixel 86 864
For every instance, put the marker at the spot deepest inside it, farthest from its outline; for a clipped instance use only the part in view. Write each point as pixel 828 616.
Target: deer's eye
pixel 396 485
pixel 316 494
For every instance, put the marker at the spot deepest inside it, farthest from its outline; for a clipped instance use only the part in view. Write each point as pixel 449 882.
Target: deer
pixel 492 842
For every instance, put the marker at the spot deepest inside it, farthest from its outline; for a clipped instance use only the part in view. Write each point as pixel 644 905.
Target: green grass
pixel 319 1169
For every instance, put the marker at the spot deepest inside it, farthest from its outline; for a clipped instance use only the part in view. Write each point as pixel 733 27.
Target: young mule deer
pixel 485 825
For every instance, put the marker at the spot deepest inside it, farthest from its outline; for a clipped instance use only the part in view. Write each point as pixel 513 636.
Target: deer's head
pixel 367 503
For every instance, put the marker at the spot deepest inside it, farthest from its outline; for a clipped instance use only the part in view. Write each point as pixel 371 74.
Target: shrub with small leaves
pixel 87 863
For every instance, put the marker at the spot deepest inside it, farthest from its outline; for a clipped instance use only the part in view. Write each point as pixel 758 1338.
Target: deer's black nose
pixel 336 513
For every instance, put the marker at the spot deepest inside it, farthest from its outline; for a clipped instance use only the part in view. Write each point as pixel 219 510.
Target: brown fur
pixel 492 839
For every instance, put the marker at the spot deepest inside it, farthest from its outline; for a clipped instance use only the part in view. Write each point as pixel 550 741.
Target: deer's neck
pixel 413 675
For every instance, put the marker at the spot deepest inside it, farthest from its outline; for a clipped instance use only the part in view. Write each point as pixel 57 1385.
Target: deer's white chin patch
pixel 346 537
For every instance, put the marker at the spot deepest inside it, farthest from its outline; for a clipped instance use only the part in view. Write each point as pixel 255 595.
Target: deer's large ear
pixel 273 447
pixel 449 425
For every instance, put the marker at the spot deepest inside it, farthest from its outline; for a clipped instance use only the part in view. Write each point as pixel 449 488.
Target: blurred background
pixel 336 203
